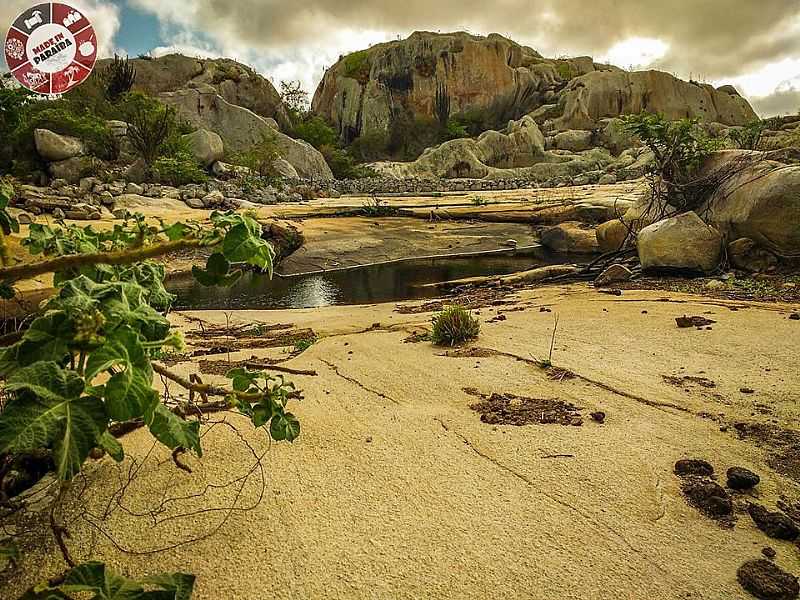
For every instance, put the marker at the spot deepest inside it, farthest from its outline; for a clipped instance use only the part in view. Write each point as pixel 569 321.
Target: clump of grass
pixel 303 344
pixel 454 325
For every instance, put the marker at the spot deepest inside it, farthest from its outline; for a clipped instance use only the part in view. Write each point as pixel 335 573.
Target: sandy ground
pixel 396 489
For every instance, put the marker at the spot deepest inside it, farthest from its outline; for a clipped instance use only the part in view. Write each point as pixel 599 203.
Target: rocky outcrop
pixel 684 242
pixel 235 82
pixel 570 237
pixel 53 147
pixel 206 146
pixel 760 201
pixel 241 129
pixel 364 90
pixel 604 94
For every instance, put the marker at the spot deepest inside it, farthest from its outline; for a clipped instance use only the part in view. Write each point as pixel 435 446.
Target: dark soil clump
pixel 693 466
pixel 508 409
pixel 740 478
pixel 708 497
pixel 767 581
pixel 775 524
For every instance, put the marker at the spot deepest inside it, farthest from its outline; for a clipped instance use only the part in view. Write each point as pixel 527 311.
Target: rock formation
pixel 241 128
pixel 235 82
pixel 364 91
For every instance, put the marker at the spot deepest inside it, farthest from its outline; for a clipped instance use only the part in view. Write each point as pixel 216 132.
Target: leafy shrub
pixel 679 149
pixel 316 131
pixel 565 70
pixel 151 125
pixel 261 157
pixel 179 169
pixel 370 147
pixel 119 77
pixel 454 325
pixel 357 66
pixel 295 99
pixel 456 129
pixel 750 137
pixel 343 165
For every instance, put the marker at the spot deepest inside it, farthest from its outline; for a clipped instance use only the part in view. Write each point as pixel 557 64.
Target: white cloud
pixel 635 52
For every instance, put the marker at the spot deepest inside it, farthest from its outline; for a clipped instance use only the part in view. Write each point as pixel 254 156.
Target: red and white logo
pixel 51 48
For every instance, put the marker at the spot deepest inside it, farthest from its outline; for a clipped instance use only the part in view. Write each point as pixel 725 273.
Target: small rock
pixel 195 203
pixel 59 214
pixel 767 581
pixel 747 390
pixel 693 466
pixel 794 316
pixel 613 274
pixel 769 552
pixel 715 284
pixel 24 218
pixel 599 416
pixel 775 524
pixel 120 213
pixel 576 421
pixel 134 188
pixel 510 243
pixel 212 199
pixel 740 478
pixel 107 198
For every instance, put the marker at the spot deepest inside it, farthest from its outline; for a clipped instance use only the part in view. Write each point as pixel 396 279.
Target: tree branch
pixel 72 261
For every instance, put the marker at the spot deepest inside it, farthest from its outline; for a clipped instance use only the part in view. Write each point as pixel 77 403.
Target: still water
pixel 386 282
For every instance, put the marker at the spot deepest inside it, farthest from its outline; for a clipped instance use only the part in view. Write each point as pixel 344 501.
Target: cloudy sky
pixel 754 44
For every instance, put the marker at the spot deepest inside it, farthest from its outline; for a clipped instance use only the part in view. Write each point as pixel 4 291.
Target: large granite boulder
pixel 361 92
pixel 235 82
pixel 241 129
pixel 758 199
pixel 603 94
pixel 683 242
pixel 206 146
pixel 54 147
pixel 570 237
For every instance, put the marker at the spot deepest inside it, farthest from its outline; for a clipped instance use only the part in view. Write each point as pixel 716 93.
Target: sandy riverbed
pixel 397 489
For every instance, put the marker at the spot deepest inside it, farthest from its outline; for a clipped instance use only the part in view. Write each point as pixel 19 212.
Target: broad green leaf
pixel 173 431
pixel 47 339
pixel 242 245
pixel 242 379
pixel 216 272
pixel 181 583
pixel 129 393
pixel 111 445
pixel 284 427
pixel 48 411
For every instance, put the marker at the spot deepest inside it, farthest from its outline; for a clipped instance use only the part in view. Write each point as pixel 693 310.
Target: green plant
pixel 86 362
pixel 179 169
pixel 119 77
pixel 343 165
pixel 260 158
pixel 295 99
pixel 454 325
pixel 303 344
pixel 750 137
pixel 565 70
pixel 316 131
pixel 456 129
pixel 479 201
pixel 679 149
pixel 376 207
pixel 151 125
pixel 357 66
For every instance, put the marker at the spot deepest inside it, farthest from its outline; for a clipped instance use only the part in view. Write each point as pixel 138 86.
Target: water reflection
pixel 362 285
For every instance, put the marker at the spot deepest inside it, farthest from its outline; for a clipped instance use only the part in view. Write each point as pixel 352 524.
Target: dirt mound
pixel 508 409
pixel 767 581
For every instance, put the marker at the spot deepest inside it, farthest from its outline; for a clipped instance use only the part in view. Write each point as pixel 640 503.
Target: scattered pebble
pixel 599 416
pixel 747 390
pixel 693 466
pixel 767 581
pixel 740 478
pixel 795 316
pixel 708 497
pixel 769 552
pixel 775 524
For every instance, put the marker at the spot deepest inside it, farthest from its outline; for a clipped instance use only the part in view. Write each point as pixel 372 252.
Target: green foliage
pixel 679 149
pixel 357 66
pixel 565 70
pixel 119 77
pixel 316 131
pixel 750 137
pixel 370 147
pixel 261 157
pixel 375 207
pixel 151 125
pixel 85 362
pixel 295 99
pixel 479 201
pixel 343 165
pixel 456 129
pixel 454 325
pixel 179 168
pixel 101 583
pixel 303 344
pixel 263 398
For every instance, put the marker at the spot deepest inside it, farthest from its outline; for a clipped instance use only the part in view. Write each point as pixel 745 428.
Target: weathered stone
pixel 607 179
pixel 195 203
pixel 285 169
pixel 53 147
pixel 740 478
pixel 574 141
pixel 613 274
pixel 206 146
pixel 134 188
pixel 693 466
pixel 746 255
pixel 570 237
pixel 684 242
pixel 136 172
pixel 73 169
pixel 213 199
pixel 767 581
pixel 775 524
pixel 241 129
pixel 611 235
